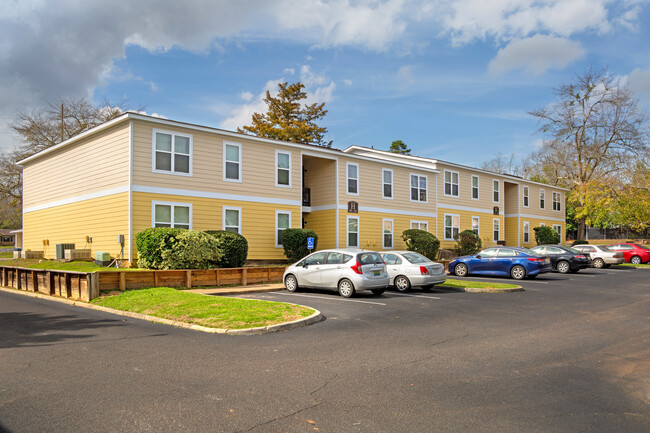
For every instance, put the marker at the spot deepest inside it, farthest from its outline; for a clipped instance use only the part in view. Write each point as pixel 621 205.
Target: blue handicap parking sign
pixel 310 243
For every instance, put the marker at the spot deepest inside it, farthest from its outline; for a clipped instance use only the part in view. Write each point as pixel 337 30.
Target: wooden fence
pixel 66 284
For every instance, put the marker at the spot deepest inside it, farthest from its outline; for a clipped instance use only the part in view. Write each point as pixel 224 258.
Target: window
pixel 474 187
pixel 334 258
pixel 176 215
pixel 420 225
pixel 558 229
pixel 388 232
pixel 282 169
pixel 231 162
pixel 418 188
pixel 353 232
pixel 392 259
pixel 172 153
pixel 542 199
pixel 282 222
pixel 525 196
pixel 232 219
pixel 353 178
pixel 315 259
pixel 556 202
pixel 452 227
pixel 506 252
pixel 496 231
pixel 542 224
pixel 451 183
pixel 490 252
pixel 387 183
pixel 475 224
pixel 495 191
pixel 526 232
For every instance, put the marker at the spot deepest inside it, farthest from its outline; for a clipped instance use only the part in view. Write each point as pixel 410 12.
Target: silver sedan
pixel 410 269
pixel 601 256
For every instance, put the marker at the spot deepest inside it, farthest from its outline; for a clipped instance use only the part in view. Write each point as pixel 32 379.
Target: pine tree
pixel 398 146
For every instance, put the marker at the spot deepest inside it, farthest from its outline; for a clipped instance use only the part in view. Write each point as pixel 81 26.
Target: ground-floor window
pixel 353 232
pixel 496 229
pixel 420 225
pixel 452 227
pixel 475 224
pixel 526 232
pixel 282 222
pixel 388 232
pixel 232 219
pixel 558 229
pixel 168 214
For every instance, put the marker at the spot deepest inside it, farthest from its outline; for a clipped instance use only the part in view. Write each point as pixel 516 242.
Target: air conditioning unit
pixel 77 254
pixel 60 250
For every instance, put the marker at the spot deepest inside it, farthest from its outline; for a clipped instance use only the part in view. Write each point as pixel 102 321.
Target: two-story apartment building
pixel 137 171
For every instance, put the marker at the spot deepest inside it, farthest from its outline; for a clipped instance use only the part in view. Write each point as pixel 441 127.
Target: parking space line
pixel 330 299
pixel 589 276
pixel 413 296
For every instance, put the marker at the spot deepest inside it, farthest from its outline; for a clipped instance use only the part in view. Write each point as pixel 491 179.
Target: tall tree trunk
pixel 581 229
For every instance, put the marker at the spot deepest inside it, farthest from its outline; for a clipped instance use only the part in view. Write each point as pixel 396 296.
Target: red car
pixel 632 253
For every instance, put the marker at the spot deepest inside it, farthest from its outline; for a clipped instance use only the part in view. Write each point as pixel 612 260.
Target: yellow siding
pixel 536 222
pixel 257 219
pixel 101 218
pixel 324 224
pixel 95 163
pixel 485 226
pixel 511 233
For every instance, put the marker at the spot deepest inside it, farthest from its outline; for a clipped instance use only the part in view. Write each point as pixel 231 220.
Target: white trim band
pixel 391 211
pixel 215 195
pixel 537 217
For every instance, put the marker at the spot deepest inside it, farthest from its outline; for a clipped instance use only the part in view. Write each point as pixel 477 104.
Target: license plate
pixel 376 273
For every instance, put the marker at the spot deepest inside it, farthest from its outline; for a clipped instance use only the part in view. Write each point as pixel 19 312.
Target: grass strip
pixel 6 255
pixel 59 266
pixel 647 265
pixel 466 284
pixel 210 311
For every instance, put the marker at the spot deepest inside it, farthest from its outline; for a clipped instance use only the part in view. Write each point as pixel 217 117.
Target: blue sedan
pixel 517 263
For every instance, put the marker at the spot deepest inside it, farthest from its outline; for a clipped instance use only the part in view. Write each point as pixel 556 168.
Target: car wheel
pixel 563 267
pixel 460 270
pixel 518 272
pixel 291 283
pixel 346 288
pixel 402 284
pixel 377 292
pixel 599 263
pixel 636 260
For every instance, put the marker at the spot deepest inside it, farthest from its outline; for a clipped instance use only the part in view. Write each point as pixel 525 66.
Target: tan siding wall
pixel 465 189
pixel 533 206
pixel 320 178
pixel 92 164
pixel 511 198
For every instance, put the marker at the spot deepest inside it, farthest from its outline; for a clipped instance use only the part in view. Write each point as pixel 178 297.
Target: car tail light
pixel 535 260
pixel 580 256
pixel 424 270
pixel 357 268
pixel 618 255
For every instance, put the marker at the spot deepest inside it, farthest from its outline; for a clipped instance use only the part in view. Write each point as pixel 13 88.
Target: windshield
pixel 415 258
pixel 573 250
pixel 370 259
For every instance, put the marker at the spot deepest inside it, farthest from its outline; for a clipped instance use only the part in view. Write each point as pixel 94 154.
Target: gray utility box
pixel 60 250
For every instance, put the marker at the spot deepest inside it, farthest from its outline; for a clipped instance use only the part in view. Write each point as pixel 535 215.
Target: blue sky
pixel 452 79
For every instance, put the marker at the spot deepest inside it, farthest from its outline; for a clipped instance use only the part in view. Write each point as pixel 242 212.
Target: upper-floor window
pixel 525 196
pixel 231 162
pixel 542 199
pixel 387 183
pixel 352 178
pixel 172 153
pixel 418 188
pixel 495 191
pixel 168 214
pixel 474 187
pixel 451 183
pixel 556 201
pixel 282 168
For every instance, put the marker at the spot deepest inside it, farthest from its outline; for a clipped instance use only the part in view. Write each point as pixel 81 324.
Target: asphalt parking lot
pixel 569 354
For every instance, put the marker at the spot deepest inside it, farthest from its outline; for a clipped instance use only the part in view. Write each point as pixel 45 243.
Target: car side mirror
pixel 478 256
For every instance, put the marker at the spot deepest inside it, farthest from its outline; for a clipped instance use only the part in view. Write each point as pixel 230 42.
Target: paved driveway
pixel 569 354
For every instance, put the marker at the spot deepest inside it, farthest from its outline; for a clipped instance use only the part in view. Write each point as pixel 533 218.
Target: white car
pixel 346 270
pixel 601 256
pixel 410 269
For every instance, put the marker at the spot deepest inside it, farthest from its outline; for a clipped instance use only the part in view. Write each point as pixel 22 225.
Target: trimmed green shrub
pixel 580 242
pixel 468 243
pixel 546 236
pixel 294 242
pixel 422 242
pixel 234 247
pixel 167 248
pixel 151 243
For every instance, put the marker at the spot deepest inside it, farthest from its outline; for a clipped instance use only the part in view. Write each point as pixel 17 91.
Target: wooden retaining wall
pixel 65 284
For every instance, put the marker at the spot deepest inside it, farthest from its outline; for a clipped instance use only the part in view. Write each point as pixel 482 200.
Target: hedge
pixel 468 243
pixel 234 247
pixel 294 242
pixel 546 236
pixel 422 242
pixel 168 248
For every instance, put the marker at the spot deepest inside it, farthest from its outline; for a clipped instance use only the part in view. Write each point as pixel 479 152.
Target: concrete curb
pixel 313 318
pixel 483 290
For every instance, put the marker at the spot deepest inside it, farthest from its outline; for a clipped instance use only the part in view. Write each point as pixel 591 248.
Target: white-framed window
pixel 171 214
pixel 542 225
pixel 232 219
pixel 387 224
pixel 420 225
pixel 282 222
pixel 452 226
pixel 496 229
pixel 556 202
pixel 526 193
pixel 172 153
pixel 476 224
pixel 495 191
pixel 474 187
pixel 232 162
pixel 353 231
pixel 418 188
pixel 558 230
pixel 387 183
pixel 526 232
pixel 542 199
pixel 451 183
pixel 352 175
pixel 283 168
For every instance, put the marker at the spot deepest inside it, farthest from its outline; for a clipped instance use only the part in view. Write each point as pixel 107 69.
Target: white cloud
pixel 246 96
pixel 536 55
pixel 639 82
pixel 405 77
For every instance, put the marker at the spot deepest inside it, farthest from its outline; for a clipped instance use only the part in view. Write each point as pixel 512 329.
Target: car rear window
pixel 530 252
pixel 369 258
pixel 415 258
pixel 642 247
pixel 603 247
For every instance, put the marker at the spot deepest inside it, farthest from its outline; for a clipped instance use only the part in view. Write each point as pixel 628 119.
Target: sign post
pixel 310 244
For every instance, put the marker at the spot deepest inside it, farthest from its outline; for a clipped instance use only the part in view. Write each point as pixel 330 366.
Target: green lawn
pixel 647 265
pixel 210 311
pixel 58 266
pixel 6 254
pixel 452 282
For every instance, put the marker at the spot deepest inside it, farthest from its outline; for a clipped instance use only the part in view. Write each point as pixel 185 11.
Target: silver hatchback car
pixel 601 256
pixel 410 269
pixel 346 270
